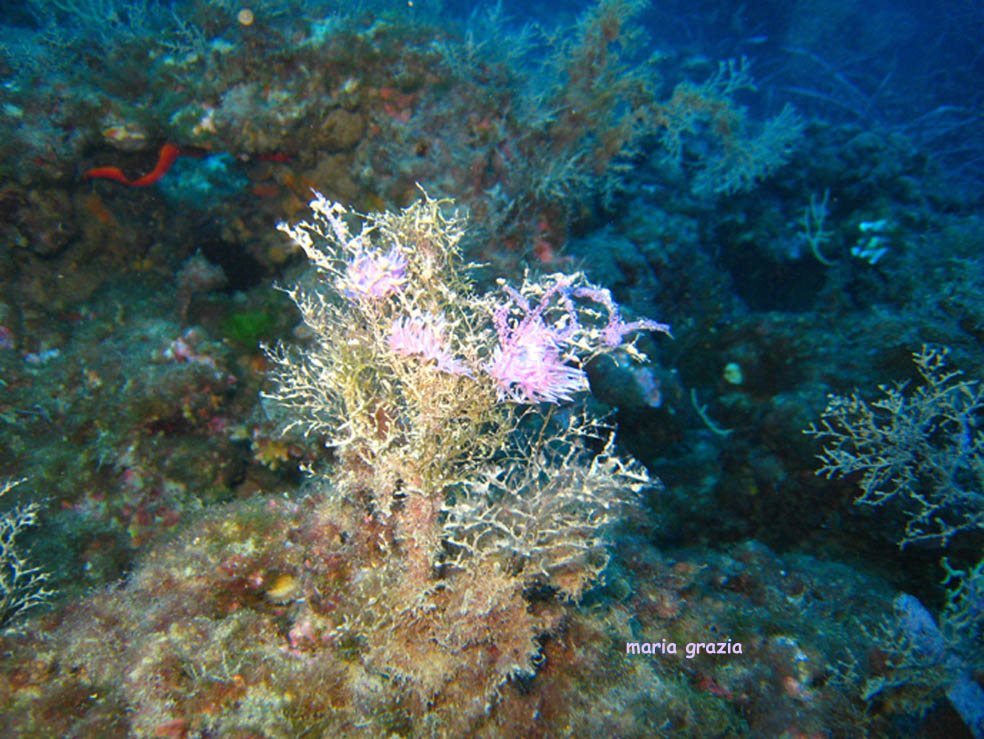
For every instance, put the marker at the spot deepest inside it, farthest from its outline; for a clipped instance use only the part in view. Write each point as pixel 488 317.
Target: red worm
pixel 169 153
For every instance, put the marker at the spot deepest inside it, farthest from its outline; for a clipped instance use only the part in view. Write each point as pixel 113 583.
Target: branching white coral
pixel 21 586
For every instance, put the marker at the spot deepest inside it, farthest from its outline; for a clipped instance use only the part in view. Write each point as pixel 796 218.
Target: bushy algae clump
pixel 456 480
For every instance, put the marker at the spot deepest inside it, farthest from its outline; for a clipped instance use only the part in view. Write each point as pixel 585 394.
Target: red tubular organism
pixel 167 157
